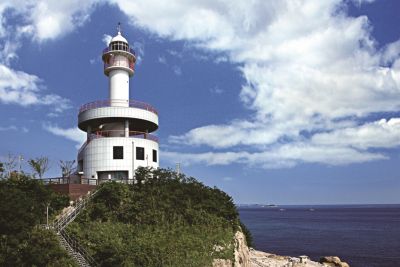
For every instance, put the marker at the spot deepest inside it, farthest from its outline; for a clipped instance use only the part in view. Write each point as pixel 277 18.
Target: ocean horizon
pixel 363 235
pixel 372 205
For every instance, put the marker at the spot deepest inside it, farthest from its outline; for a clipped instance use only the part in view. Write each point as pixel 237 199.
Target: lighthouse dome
pixel 118 38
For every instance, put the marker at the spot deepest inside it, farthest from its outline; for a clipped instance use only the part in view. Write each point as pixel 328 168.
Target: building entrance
pixel 112 175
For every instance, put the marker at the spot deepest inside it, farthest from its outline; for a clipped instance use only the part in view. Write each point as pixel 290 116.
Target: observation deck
pixel 142 116
pixel 121 133
pixel 116 133
pixel 118 56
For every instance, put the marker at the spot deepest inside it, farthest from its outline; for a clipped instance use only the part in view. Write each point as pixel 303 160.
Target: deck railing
pixel 121 133
pixel 108 102
pixel 107 49
pixel 68 180
pixel 83 180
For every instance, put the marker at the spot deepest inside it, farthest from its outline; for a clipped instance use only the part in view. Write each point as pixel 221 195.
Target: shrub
pixel 163 220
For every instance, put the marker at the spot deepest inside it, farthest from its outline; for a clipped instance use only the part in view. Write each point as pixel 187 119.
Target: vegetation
pixel 39 165
pixel 10 164
pixel 22 208
pixel 247 234
pixel 163 220
pixel 67 167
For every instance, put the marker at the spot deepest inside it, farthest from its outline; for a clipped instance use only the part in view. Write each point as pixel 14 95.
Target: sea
pixel 361 235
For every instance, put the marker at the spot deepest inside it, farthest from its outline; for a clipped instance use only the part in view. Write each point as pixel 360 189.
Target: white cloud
pixel 52 19
pixel 174 53
pixel 138 47
pixel 221 59
pixel 17 87
pixel 216 90
pixel 378 134
pixel 14 128
pixel 177 70
pixel 360 2
pixel 8 128
pixel 73 134
pixel 46 19
pixel 106 39
pixel 162 60
pixel 309 68
pixel 284 156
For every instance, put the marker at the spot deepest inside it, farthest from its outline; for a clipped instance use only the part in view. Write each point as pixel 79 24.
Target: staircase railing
pixel 68 217
pixel 80 255
pixel 78 252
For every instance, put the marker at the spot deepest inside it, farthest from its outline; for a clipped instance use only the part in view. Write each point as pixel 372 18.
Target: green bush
pixel 247 234
pixel 22 208
pixel 163 220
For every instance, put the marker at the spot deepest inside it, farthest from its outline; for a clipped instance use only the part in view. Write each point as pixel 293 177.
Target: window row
pixel 118 153
pixel 119 46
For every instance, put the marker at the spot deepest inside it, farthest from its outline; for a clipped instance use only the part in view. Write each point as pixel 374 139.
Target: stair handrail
pixel 74 244
pixel 64 220
pixel 59 225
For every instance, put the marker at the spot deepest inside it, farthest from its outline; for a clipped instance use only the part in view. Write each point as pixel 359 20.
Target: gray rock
pixel 333 261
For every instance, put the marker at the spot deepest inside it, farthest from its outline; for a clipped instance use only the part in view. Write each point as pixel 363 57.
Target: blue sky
pixel 287 102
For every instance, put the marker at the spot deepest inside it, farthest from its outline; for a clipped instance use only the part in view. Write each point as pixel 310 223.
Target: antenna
pixel 119 27
pixel 178 168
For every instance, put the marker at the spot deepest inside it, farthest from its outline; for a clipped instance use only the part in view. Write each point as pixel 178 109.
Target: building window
pixel 118 152
pixel 154 155
pixel 140 153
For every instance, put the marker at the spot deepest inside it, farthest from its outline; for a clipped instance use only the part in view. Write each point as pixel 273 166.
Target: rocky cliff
pixel 241 252
pixel 248 257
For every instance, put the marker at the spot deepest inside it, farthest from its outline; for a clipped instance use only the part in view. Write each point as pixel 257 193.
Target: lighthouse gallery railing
pixel 107 103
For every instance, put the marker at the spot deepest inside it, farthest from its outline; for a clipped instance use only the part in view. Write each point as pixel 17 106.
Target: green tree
pixel 43 249
pixel 39 165
pixel 67 167
pixel 1 169
pixel 22 209
pixel 10 164
pixel 164 219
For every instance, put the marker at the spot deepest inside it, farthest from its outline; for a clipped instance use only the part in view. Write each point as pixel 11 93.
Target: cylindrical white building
pixel 119 138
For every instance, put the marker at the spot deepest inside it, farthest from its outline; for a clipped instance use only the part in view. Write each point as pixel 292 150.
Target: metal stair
pixel 73 248
pixel 70 244
pixel 68 217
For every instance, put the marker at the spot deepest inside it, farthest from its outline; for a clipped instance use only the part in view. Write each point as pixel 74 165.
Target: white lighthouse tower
pixel 119 138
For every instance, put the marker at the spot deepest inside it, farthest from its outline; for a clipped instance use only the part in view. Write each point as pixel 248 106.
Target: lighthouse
pixel 119 129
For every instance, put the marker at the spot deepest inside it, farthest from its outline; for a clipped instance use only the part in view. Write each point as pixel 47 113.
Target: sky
pixel 284 102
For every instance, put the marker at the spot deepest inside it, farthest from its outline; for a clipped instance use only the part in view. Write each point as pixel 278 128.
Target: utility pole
pixel 47 216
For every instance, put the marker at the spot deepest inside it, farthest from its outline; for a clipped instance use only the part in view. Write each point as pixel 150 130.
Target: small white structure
pixel 119 138
pixel 304 259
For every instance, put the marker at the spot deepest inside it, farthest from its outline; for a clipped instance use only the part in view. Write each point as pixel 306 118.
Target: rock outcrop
pixel 248 257
pixel 333 261
pixel 241 253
